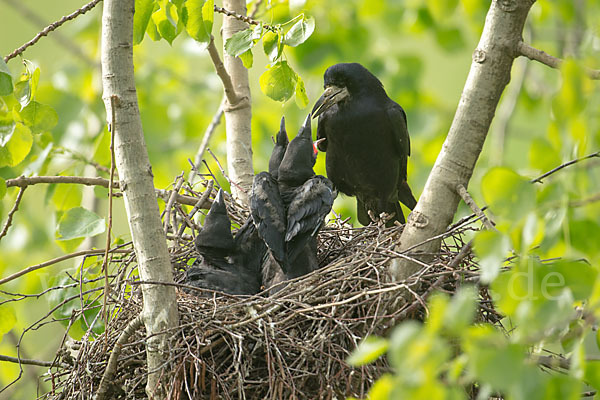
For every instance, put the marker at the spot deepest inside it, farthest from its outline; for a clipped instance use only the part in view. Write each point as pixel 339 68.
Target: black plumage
pixel 366 139
pixel 226 264
pixel 289 210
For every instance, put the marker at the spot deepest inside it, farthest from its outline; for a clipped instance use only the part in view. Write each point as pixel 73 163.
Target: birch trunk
pixel 160 308
pixel 489 75
pixel 238 116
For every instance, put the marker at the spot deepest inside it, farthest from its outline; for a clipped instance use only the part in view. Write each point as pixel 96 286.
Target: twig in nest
pixel 462 191
pixel 111 367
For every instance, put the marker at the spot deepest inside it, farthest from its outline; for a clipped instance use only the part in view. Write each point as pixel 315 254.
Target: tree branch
pixel 52 27
pixel 11 213
pixel 249 20
pixel 59 259
pixel 490 70
pixel 230 93
pixel 26 361
pixel 569 163
pixel 462 191
pixel 23 181
pixel 554 62
pixel 210 129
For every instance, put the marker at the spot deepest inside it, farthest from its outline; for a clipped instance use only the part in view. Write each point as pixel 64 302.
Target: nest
pixel 291 345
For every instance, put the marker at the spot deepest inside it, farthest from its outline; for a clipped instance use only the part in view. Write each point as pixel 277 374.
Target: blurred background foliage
pixel 420 50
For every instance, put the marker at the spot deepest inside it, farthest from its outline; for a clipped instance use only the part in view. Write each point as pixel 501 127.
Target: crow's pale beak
pixel 332 95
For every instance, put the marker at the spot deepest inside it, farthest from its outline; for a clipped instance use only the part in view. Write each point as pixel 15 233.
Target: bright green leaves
pixel 199 19
pixel 165 19
pixel 17 147
pixel 272 45
pixel 508 194
pixel 299 32
pixel 492 247
pixel 143 13
pixel 8 318
pixel 420 354
pixel 77 223
pixel 571 99
pixel 301 96
pixel 279 81
pixel 239 42
pixel 39 117
pixel 26 87
pixel 442 9
pixel 368 351
pixel 6 84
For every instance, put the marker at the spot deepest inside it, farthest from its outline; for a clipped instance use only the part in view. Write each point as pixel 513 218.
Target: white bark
pixel 136 179
pixel 238 115
pixel 489 75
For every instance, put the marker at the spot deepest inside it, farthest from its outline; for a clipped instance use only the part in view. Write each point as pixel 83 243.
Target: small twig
pixel 52 27
pixel 199 204
pixel 554 62
pixel 65 41
pixel 111 367
pixel 255 8
pixel 232 97
pixel 12 212
pixel 243 18
pixel 170 202
pixel 113 101
pixel 471 203
pixel 579 203
pixel 57 260
pixel 223 171
pixel 210 129
pixel 26 361
pixel 545 175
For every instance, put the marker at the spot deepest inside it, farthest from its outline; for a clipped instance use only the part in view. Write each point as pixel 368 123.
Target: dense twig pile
pixel 291 345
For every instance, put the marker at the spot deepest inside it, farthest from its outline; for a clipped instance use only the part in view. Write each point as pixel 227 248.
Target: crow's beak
pixel 306 129
pixel 332 95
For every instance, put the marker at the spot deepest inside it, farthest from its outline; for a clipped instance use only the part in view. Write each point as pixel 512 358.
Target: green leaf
pixel 39 117
pixel 7 127
pixel 492 249
pixel 368 351
pixel 143 13
pixel 271 45
pixel 152 31
pixel 592 373
pixel 239 43
pixel 301 97
pixel 18 147
pixel 279 81
pixel 578 276
pixel 2 188
pixel 441 10
pixel 79 222
pixel 508 194
pixel 299 32
pixel 247 58
pixel 401 340
pixel 6 85
pixel 382 388
pixel 542 155
pixel 165 21
pixel 461 311
pixel 208 15
pixel 8 318
pixel 195 25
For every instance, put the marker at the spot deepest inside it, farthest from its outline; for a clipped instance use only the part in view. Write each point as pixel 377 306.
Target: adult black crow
pixel 366 139
pixel 289 211
pixel 227 265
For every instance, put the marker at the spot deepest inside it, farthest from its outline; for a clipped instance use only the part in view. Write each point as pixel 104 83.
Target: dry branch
pixel 554 62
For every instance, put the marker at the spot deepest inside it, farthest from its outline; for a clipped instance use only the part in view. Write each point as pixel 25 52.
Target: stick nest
pixel 291 345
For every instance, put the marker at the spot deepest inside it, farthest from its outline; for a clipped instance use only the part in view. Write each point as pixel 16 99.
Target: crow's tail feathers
pixel 405 195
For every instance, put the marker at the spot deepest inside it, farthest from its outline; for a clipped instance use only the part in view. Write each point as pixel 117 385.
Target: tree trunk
pixel 489 74
pixel 120 99
pixel 238 116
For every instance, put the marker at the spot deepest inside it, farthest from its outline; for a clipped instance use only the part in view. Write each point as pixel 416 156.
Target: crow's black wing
pixel 311 203
pixel 231 279
pixel 268 213
pixel 398 121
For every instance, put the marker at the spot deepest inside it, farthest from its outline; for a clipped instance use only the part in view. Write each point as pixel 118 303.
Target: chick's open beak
pixel 332 95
